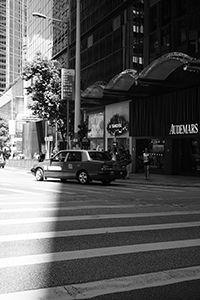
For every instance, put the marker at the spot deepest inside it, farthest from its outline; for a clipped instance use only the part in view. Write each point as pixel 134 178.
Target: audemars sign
pixel 184 129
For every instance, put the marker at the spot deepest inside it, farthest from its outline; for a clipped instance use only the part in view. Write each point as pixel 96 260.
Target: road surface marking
pixel 37 189
pixel 19 191
pixel 53 191
pixel 108 286
pixel 97 252
pixel 95 217
pixel 94 231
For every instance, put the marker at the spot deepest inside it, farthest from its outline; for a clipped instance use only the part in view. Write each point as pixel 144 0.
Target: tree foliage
pixel 4 133
pixel 45 89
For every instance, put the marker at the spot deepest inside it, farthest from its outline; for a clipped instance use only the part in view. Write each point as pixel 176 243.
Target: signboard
pixel 117 125
pixel 96 125
pixel 67 84
pixel 184 129
pixel 48 138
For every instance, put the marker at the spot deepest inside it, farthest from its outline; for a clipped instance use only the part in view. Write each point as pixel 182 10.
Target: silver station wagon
pixel 82 165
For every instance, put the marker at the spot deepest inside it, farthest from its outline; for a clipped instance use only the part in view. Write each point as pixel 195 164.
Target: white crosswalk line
pixel 19 191
pixel 110 286
pixel 86 290
pixel 95 231
pixel 95 217
pixel 91 253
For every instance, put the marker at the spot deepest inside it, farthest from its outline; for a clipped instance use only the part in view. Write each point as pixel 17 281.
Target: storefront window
pixel 121 142
pixel 97 144
pixel 156 150
pixel 189 159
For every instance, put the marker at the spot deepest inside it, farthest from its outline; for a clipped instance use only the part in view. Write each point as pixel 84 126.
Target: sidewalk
pixel 167 180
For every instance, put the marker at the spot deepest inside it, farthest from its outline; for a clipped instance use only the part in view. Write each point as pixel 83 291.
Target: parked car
pixel 82 165
pixel 2 162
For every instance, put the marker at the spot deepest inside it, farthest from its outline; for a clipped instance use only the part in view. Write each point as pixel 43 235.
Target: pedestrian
pixel 146 163
pixel 41 157
pixel 114 152
pixel 128 162
pixel 125 159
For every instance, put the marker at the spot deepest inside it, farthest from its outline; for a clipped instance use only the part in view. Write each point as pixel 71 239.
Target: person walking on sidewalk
pixel 146 162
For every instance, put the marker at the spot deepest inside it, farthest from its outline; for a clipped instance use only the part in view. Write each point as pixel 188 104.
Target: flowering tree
pixel 45 88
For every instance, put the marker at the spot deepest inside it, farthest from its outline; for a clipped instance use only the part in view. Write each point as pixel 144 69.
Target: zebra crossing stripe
pixel 109 286
pixel 95 217
pixel 94 231
pixel 19 191
pixel 97 252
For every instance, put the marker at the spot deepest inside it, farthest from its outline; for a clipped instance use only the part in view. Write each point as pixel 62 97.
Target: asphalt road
pixel 123 241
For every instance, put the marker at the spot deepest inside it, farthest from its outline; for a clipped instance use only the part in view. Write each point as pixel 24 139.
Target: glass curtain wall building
pixel 40 31
pixel 12 38
pixel 111 37
pixel 171 26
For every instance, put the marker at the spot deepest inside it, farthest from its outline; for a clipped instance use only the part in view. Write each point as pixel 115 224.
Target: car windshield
pixel 99 156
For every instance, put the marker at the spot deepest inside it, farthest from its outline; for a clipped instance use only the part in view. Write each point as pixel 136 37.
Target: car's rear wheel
pixel 83 177
pixel 39 174
pixel 106 181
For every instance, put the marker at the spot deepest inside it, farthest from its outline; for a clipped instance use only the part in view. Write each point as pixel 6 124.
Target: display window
pixel 97 144
pixel 121 142
pixel 189 155
pixel 156 148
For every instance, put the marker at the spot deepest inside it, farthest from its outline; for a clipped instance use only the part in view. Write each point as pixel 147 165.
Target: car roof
pixel 78 150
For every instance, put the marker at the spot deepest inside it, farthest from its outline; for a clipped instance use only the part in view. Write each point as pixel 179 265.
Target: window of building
pixel 181 33
pixel 181 8
pixel 165 39
pixel 116 23
pixel 153 18
pixel 194 32
pixel 154 47
pixel 165 12
pixel 193 4
pixel 90 41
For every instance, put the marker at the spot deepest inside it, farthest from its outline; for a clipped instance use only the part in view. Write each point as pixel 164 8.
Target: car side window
pixel 60 156
pixel 74 156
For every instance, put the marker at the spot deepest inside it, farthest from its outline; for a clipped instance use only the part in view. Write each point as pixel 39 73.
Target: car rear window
pixel 99 156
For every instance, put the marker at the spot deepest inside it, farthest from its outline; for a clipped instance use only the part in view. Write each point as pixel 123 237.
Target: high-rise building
pixel 111 37
pixel 171 26
pixel 13 20
pixel 47 34
pixel 40 30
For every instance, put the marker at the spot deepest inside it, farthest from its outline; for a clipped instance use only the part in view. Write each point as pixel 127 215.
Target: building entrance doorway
pixel 156 148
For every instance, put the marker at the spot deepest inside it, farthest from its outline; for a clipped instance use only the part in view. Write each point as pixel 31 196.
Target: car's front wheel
pixel 39 174
pixel 83 177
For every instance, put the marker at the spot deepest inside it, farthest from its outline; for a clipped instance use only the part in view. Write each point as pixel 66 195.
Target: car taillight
pixel 106 167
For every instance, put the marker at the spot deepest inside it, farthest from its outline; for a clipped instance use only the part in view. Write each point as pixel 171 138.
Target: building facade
pixel 171 26
pixel 13 19
pixel 111 38
pixel 167 117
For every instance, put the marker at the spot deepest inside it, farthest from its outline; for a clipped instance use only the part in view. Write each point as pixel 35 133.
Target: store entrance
pixel 188 156
pixel 156 150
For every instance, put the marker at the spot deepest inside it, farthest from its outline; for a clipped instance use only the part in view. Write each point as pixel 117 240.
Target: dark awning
pixel 123 81
pixel 170 72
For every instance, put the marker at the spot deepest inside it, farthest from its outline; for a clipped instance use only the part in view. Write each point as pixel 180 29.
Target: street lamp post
pixel 39 15
pixel 77 112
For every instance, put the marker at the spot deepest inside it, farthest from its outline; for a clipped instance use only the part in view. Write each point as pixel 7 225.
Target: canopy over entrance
pixel 170 72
